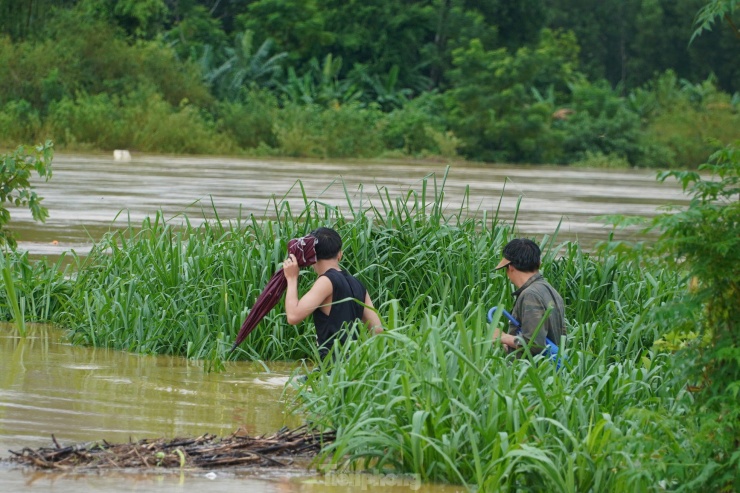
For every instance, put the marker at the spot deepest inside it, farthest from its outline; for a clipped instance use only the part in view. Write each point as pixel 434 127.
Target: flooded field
pixel 81 394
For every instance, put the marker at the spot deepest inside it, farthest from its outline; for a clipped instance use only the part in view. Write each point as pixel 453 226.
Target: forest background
pixel 614 83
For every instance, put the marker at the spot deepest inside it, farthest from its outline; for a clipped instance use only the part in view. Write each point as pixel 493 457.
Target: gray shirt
pixel 532 300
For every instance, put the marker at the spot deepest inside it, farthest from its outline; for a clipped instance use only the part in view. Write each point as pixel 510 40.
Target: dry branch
pixel 205 451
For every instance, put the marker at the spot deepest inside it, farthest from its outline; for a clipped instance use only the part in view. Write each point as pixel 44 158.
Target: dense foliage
pixel 533 81
pixel 706 240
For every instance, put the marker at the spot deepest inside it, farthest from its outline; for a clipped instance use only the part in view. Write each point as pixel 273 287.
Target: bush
pixel 19 122
pixel 251 124
pixel 88 121
pixel 351 130
pixel 338 131
pixel 419 128
pixel 600 160
pixel 298 131
pixel 601 123
pixel 140 120
pixel 159 127
pixel 680 118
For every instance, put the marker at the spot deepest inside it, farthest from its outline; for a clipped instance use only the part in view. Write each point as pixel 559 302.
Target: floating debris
pixel 205 451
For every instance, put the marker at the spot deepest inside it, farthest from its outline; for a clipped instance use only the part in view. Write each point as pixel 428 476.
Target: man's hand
pixel 506 339
pixel 290 268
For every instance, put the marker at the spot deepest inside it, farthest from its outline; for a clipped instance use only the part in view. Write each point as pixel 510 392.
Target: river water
pixel 78 394
pixel 91 194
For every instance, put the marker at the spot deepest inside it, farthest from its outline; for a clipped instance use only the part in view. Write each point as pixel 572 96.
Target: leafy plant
pixel 711 11
pixel 705 240
pixel 16 170
pixel 246 66
pixel 601 123
pixel 321 84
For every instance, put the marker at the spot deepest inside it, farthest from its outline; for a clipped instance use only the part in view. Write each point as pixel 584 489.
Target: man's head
pixel 329 243
pixel 522 254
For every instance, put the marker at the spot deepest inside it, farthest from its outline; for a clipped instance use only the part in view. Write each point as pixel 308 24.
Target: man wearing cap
pixel 533 296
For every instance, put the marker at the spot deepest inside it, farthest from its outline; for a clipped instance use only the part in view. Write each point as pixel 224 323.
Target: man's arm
pixel 507 339
pixel 370 317
pixel 533 311
pixel 298 309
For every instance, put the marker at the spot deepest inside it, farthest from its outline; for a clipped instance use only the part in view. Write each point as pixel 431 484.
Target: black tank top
pixel 341 314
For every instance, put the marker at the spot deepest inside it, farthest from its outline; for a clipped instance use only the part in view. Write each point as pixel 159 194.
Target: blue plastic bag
pixel 551 349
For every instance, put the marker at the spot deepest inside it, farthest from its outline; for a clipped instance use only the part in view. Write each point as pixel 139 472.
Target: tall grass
pixel 33 290
pixel 167 287
pixel 434 397
pixel 159 288
pixel 12 299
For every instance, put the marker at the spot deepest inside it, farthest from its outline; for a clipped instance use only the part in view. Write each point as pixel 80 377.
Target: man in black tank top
pixel 330 297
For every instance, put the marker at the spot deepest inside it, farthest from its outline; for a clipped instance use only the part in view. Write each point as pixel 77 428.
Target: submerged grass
pixel 431 395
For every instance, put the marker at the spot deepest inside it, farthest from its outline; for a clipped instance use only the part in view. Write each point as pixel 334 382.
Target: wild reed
pixel 11 298
pixel 434 397
pixel 33 290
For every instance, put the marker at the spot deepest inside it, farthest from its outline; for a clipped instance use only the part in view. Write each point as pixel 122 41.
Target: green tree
pixel 296 26
pixel 246 66
pixel 713 10
pixel 16 170
pixel 705 238
pixel 21 18
pixel 196 35
pixel 493 105
pixel 138 18
pixel 628 41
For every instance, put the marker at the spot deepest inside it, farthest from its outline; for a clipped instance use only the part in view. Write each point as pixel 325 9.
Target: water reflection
pixel 81 394
pixel 276 481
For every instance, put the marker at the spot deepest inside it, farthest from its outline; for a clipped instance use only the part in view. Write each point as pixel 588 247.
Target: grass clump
pixel 433 396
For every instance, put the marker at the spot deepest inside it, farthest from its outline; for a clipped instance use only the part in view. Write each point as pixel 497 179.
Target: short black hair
pixel 329 243
pixel 524 254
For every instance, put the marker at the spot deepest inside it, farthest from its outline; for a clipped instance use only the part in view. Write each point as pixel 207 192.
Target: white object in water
pixel 121 155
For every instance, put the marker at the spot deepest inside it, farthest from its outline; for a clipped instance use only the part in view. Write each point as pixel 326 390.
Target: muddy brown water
pixel 89 195
pixel 82 394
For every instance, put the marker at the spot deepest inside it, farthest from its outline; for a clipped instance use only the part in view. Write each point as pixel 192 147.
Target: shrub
pixel 88 121
pixel 19 122
pixel 298 131
pixel 140 120
pixel 350 131
pixel 702 242
pixel 419 128
pixel 680 118
pixel 600 160
pixel 250 124
pixel 601 123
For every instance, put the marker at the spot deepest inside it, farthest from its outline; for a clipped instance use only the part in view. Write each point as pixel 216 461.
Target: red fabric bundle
pixel 305 254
